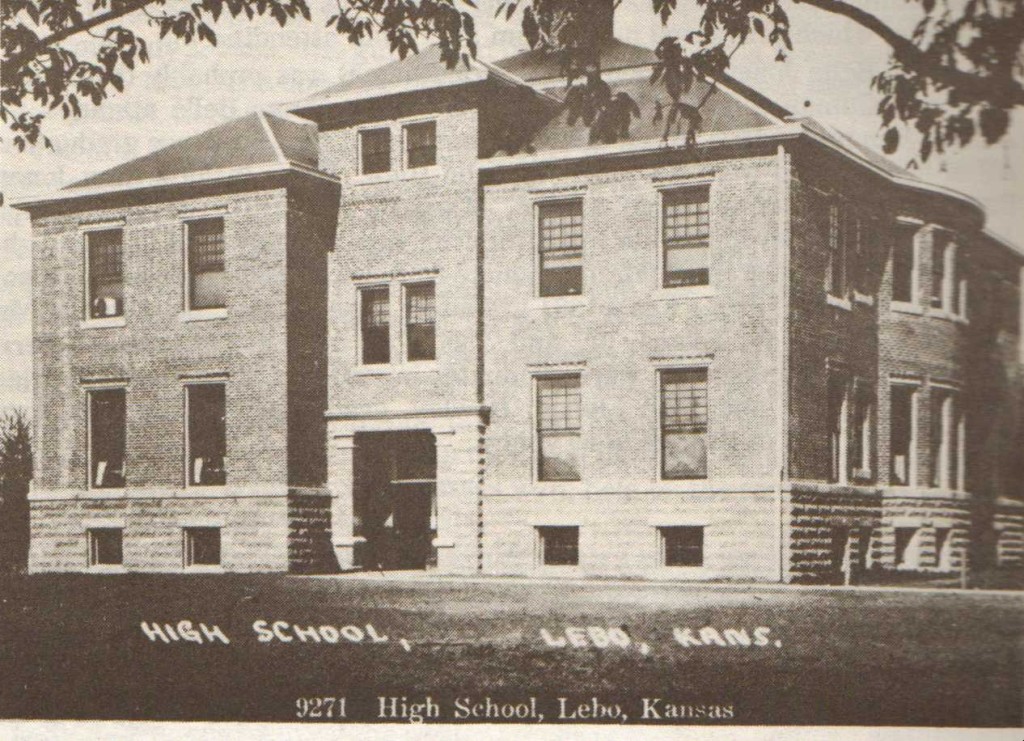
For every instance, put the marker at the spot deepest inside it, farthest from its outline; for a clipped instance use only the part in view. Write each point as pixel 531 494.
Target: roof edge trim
pixel 210 176
pixel 380 91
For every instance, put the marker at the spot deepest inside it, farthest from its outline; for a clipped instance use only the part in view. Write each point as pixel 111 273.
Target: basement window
pixel 104 274
pixel 106 439
pixel 207 287
pixel 201 546
pixel 206 434
pixel 559 545
pixel 105 546
pixel 682 545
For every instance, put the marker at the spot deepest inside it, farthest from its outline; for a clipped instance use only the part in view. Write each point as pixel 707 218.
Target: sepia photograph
pixel 512 365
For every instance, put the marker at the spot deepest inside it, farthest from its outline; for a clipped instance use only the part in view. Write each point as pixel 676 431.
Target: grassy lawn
pixel 71 647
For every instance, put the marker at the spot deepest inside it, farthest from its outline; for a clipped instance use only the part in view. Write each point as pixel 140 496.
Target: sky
pixel 187 89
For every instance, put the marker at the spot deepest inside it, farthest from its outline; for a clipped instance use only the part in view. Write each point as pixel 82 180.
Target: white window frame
pixel 664 189
pixel 914 305
pixel 402 124
pixel 571 299
pixel 88 321
pixel 837 211
pixel 404 286
pixel 668 367
pixel 843 465
pixel 535 424
pixel 392 169
pixel 947 479
pixel 188 314
pixel 185 565
pixel 90 562
pixel 369 286
pixel 912 454
pixel 188 383
pixel 89 389
pixel 862 470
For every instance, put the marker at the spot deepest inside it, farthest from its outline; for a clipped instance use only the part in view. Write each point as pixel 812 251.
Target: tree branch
pixel 1001 92
pixel 16 62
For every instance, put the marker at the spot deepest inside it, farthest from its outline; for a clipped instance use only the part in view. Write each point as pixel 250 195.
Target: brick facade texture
pixel 298 250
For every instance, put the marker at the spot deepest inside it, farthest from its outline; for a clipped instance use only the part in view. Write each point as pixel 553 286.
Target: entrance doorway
pixel 395 500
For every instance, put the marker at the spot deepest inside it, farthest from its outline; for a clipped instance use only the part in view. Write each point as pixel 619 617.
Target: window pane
pixel 207 434
pixel 421 144
pixel 683 546
pixel 375 311
pixel 420 320
pixel 685 231
pixel 901 411
pixel 106 285
pixel 938 438
pixel 684 423
pixel 903 266
pixel 836 409
pixel 561 248
pixel 558 426
pixel 939 246
pixel 105 546
pixel 860 435
pixel 206 264
pixel 202 546
pixel 107 438
pixel 559 546
pixel 375 150
pixel 836 253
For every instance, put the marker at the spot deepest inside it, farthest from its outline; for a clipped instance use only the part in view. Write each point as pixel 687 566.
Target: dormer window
pixel 374 151
pixel 104 274
pixel 420 144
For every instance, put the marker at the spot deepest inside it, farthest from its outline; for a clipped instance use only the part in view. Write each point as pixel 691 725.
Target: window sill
pixel 420 173
pixel 113 492
pixel 558 302
pixel 683 292
pixel 373 178
pixel 106 569
pixel 948 316
pixel 839 303
pixel 863 298
pixel 905 307
pixel 200 569
pixel 104 323
pixel 377 369
pixel 416 366
pixel 202 315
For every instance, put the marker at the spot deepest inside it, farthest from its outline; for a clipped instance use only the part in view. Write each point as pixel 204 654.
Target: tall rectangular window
pixel 105 546
pixel 559 545
pixel 206 435
pixel 107 439
pixel 375 326
pixel 560 243
pixel 207 288
pixel 837 259
pixel 104 274
pixel 374 151
pixel 941 294
pixel 686 250
pixel 902 434
pixel 942 439
pixel 682 545
pixel 201 546
pixel 559 420
pixel 904 265
pixel 420 144
pixel 860 435
pixel 420 321
pixel 684 423
pixel 836 409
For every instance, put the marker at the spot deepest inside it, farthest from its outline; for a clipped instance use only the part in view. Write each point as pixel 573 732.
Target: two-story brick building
pixel 419 321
